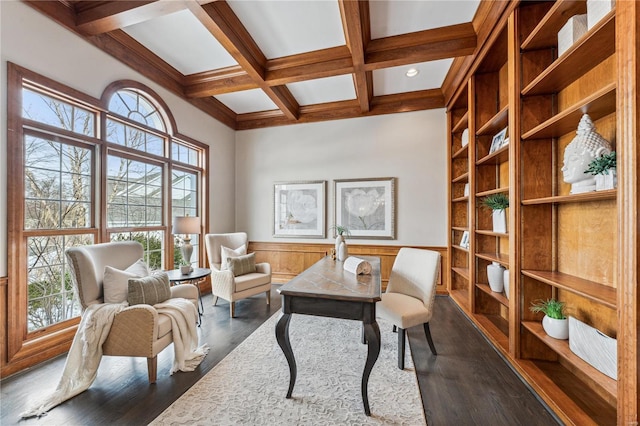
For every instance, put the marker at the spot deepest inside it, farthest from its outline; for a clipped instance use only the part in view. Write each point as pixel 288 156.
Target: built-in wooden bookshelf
pixel 558 244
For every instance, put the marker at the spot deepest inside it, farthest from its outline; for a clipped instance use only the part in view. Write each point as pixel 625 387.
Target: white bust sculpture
pixel 586 146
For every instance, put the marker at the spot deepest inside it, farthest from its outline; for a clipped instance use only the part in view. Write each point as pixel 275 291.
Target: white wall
pixel 32 41
pixel 408 146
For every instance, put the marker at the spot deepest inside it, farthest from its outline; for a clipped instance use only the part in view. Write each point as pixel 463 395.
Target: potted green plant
pixel 341 245
pixel 604 169
pixel 497 203
pixel 555 321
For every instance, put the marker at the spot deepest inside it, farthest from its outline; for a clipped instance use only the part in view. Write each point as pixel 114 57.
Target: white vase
pixel 500 221
pixel 506 282
pixel 556 328
pixel 342 252
pixel 339 240
pixel 608 181
pixel 495 275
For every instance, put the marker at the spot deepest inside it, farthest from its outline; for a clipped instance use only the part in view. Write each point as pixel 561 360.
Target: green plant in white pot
pixel 604 168
pixel 555 321
pixel 498 203
pixel 341 245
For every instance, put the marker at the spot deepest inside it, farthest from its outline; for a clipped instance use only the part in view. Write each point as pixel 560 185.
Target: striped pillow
pixel 242 265
pixel 149 290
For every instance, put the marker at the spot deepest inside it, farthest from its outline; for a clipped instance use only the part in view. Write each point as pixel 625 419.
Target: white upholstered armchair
pixel 223 282
pixel 137 330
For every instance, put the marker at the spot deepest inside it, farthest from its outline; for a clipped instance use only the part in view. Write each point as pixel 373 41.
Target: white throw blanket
pixel 84 356
pixel 183 316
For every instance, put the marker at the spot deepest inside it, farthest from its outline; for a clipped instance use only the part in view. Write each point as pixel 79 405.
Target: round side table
pixel 194 277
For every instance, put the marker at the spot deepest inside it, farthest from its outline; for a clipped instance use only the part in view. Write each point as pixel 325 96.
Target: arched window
pixel 88 171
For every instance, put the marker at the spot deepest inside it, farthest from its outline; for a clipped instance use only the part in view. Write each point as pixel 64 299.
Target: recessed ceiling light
pixel 412 72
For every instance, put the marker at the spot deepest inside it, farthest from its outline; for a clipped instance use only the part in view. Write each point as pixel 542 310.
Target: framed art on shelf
pixel 498 140
pixel 299 209
pixel 464 241
pixel 366 207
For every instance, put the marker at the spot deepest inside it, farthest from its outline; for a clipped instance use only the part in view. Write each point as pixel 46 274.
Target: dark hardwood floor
pixel 466 384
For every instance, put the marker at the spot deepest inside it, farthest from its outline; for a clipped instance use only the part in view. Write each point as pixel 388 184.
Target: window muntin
pixel 134 106
pixel 134 193
pixel 58 113
pixel 184 202
pixel 134 137
pixel 184 154
pixel 49 287
pixel 58 184
pixel 152 245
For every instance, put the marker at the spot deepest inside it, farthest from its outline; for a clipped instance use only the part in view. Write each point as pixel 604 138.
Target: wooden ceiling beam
pixel 217 82
pixel 225 26
pixel 113 15
pixel 357 33
pixel 309 66
pixel 421 46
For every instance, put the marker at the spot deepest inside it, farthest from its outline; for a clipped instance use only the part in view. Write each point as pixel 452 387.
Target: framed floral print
pixel 299 209
pixel 366 207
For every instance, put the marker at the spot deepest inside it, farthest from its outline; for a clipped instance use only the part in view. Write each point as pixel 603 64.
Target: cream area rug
pixel 249 386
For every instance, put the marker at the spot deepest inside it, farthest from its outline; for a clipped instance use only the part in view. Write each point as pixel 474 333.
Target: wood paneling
pixel 290 259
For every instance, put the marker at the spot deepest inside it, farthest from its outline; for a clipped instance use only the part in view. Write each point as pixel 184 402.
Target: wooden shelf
pixel 545 34
pixel 597 105
pixel 461 153
pixel 591 49
pixel 498 296
pixel 463 272
pixel 566 394
pixel 461 124
pixel 462 178
pixel 461 297
pixel 501 258
pixel 496 328
pixel 492 191
pixel 609 194
pixel 591 290
pixel 460 248
pixel 561 347
pixel 460 199
pixel 459 228
pixel 491 233
pixel 498 157
pixel 495 123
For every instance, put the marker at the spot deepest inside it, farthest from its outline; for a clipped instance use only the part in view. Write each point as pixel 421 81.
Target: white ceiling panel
pixel 247 101
pixel 394 80
pixel 393 17
pixel 283 28
pixel 323 90
pixel 183 42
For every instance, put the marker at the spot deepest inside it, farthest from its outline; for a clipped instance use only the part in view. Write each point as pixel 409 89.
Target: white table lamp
pixel 186 225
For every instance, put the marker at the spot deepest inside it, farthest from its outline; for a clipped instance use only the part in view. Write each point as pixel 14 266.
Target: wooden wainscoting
pixel 290 259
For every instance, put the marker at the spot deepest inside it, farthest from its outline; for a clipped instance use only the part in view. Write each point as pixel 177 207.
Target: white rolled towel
pixel 357 266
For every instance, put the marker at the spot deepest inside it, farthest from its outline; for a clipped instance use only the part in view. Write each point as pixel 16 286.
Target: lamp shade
pixel 186 225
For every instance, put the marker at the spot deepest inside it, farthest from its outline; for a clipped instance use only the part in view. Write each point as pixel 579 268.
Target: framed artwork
pixel 299 209
pixel 464 241
pixel 366 207
pixel 498 140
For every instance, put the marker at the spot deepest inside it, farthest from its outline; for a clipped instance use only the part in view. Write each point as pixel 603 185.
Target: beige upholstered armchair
pixel 137 330
pixel 223 282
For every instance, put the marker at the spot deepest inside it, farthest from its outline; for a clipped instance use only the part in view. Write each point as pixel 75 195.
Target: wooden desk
pixel 326 289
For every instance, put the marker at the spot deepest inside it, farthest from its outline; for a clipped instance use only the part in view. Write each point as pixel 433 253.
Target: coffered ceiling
pixel 259 63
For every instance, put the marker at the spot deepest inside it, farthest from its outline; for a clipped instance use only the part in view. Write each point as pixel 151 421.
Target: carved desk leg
pixel 282 336
pixel 372 334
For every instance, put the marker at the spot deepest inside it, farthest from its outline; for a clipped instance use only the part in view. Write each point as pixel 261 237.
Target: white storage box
pixel 596 9
pixel 575 28
pixel 594 347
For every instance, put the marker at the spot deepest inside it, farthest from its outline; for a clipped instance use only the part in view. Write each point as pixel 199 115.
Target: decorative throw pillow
pixel 114 283
pixel 242 264
pixel 149 290
pixel 226 253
